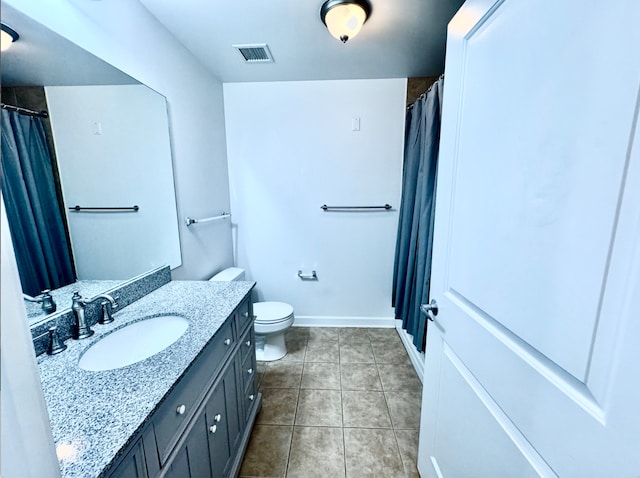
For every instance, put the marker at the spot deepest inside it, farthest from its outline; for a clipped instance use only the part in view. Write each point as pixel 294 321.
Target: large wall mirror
pixel 109 136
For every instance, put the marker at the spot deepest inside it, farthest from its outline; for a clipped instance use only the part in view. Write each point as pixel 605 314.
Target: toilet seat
pixel 269 313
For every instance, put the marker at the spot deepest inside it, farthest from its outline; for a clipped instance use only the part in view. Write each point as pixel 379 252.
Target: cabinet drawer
pixel 244 316
pixel 247 344
pixel 249 397
pixel 178 408
pixel 248 370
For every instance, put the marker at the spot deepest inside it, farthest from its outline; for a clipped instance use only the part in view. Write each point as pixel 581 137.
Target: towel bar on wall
pixel 190 220
pixel 324 207
pixel 105 209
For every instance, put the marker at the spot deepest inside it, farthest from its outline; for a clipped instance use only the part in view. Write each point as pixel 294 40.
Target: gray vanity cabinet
pixel 192 458
pixel 203 426
pixel 223 426
pixel 134 464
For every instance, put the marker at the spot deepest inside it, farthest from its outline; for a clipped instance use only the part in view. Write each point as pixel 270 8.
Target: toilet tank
pixel 229 274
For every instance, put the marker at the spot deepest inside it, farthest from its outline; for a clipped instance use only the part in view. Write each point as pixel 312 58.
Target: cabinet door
pixel 192 460
pixel 218 429
pixel 133 465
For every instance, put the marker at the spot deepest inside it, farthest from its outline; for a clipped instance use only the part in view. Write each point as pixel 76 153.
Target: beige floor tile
pixel 323 333
pixel 321 376
pixel 408 445
pixel 384 335
pixel 296 349
pixel 268 452
pixel 353 335
pixel 319 408
pixel 316 452
pixel 404 408
pixel 360 379
pixel 360 376
pixel 261 368
pixel 385 352
pixel 297 333
pixel 323 351
pixel 399 377
pixel 372 453
pixel 282 375
pixel 365 410
pixel 356 353
pixel 278 406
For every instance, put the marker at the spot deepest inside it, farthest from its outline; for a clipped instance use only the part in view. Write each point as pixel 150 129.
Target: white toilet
pixel 272 321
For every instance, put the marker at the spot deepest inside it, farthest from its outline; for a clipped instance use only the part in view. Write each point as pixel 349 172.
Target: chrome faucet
pixel 82 328
pixel 48 304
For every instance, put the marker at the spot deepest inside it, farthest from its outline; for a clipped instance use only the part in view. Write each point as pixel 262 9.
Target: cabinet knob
pixel 248 343
pixel 251 397
pixel 213 428
pixel 246 314
pixel 250 371
pixel 181 409
pixel 227 341
pixel 217 418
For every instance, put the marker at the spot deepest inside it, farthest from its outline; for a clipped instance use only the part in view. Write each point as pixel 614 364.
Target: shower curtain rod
pixel 25 111
pixel 425 93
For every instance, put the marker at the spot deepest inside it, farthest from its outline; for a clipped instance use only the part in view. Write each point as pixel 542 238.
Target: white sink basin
pixel 133 343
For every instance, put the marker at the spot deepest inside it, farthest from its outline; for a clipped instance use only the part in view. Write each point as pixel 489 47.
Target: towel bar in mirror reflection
pixel 109 138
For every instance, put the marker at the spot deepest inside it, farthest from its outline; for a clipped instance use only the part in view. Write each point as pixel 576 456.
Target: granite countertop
pixel 62 296
pixel 95 414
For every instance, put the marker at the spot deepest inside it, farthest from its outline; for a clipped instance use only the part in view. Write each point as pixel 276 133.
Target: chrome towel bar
pixel 104 209
pixel 342 208
pixel 190 220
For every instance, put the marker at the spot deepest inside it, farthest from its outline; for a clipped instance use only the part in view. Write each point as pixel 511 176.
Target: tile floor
pixel 342 403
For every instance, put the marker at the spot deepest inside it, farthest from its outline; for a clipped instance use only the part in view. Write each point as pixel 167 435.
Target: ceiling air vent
pixel 255 53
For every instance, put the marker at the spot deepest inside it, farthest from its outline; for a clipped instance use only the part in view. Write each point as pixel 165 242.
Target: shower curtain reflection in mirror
pixel 33 206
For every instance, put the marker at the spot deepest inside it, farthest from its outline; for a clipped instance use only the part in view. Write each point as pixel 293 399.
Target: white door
pixel 533 362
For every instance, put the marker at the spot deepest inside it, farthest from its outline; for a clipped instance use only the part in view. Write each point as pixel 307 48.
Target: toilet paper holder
pixel 312 276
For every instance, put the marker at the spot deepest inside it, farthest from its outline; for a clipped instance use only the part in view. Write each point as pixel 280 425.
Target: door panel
pixel 555 157
pixel 536 259
pixel 472 425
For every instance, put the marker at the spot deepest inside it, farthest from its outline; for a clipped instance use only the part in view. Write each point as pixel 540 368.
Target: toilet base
pixel 270 347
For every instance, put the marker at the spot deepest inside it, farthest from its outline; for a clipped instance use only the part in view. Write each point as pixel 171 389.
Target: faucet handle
pixel 55 344
pixel 106 312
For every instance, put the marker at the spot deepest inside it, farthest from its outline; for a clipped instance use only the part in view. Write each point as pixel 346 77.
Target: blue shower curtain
pixel 32 205
pixel 412 268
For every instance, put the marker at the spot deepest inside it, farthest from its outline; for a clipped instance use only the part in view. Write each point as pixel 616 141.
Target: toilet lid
pixel 272 311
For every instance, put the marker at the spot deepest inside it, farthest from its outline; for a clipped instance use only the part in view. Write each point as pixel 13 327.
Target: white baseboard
pixel 417 358
pixel 332 321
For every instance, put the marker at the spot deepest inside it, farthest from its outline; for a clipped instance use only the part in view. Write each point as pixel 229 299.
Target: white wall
pixel 122 161
pixel 27 443
pixel 291 149
pixel 125 34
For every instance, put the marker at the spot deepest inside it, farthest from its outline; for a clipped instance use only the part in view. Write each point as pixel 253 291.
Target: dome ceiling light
pixel 7 37
pixel 344 18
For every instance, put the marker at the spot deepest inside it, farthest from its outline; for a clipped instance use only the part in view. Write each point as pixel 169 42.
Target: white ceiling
pixel 44 58
pixel 402 38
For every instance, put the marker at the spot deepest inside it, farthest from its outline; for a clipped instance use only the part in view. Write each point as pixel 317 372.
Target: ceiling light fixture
pixel 7 37
pixel 344 18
